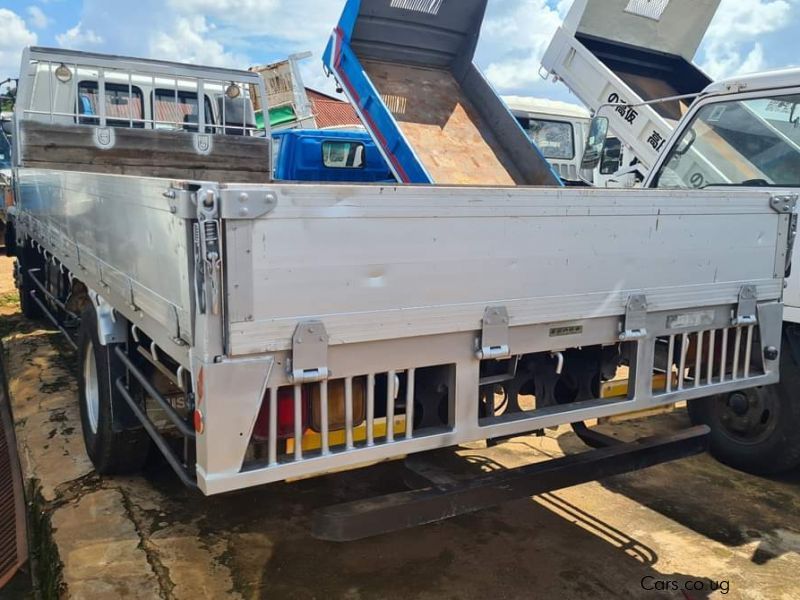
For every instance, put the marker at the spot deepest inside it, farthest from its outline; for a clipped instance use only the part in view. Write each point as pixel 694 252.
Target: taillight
pixel 285 410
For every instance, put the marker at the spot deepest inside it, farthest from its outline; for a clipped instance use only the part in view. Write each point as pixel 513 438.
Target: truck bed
pixel 407 68
pixel 453 142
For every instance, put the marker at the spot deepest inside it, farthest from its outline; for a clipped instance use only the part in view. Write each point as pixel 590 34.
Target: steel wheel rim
pixel 91 394
pixel 752 425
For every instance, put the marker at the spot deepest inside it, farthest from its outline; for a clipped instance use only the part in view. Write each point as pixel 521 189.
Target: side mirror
pixel 794 119
pixel 592 153
pixel 686 143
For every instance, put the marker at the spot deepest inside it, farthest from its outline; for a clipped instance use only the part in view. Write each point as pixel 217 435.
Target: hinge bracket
pixel 494 335
pixel 635 326
pixel 784 204
pixel 309 362
pixel 746 309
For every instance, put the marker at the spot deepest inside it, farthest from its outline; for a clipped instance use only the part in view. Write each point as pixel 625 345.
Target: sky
pixel 746 35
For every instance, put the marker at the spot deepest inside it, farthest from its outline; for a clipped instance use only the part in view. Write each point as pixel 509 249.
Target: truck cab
pixel 557 129
pixel 743 132
pixel 327 155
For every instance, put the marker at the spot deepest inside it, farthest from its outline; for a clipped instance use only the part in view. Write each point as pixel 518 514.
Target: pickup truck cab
pixel 327 155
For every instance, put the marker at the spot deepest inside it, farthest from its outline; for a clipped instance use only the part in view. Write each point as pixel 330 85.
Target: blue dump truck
pixel 328 155
pixel 407 68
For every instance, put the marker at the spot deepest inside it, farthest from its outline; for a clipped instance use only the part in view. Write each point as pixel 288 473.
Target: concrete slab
pixel 645 535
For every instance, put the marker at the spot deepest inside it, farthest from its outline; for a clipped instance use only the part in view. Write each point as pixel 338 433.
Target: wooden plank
pixel 145 153
pixel 454 143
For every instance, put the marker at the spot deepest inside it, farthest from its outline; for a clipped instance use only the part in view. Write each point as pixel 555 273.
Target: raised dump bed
pixel 633 51
pixel 406 66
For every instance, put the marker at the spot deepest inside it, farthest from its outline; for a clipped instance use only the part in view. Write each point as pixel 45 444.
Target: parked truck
pixel 559 130
pixel 743 132
pixel 434 115
pixel 290 330
pixel 327 155
pixel 617 55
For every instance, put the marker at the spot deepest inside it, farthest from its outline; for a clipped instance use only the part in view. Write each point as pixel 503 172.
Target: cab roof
pixel 766 80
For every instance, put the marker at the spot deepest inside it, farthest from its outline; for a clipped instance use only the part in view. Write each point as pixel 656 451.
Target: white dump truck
pixel 255 332
pixel 617 55
pixel 742 133
pixel 559 130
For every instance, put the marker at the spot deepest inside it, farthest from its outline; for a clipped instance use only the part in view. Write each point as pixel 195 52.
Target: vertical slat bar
pixel 51 89
pixel 682 365
pixel 698 362
pixel 298 422
pixel 323 416
pixel 748 349
pixel 370 410
pixel 390 394
pixel 130 100
pixel 410 403
pixel 273 426
pixel 670 355
pixel 201 106
pixel 723 367
pixel 101 95
pixel 348 411
pixel 736 351
pixel 712 340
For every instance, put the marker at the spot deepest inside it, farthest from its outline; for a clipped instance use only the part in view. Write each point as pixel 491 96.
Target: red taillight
pixel 285 410
pixel 199 424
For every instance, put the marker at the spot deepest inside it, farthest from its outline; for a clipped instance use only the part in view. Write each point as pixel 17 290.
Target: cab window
pixel 124 106
pixel 343 155
pixel 179 110
pixel 555 139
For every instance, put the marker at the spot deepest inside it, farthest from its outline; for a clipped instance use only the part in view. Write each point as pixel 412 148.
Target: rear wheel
pixel 113 449
pixel 756 430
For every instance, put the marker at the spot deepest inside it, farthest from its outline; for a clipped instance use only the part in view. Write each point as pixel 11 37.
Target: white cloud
pixel 78 38
pixel 191 40
pixel 732 44
pixel 513 40
pixel 37 18
pixel 15 36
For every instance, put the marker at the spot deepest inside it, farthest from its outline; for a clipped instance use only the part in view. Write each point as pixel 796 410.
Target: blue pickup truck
pixel 328 155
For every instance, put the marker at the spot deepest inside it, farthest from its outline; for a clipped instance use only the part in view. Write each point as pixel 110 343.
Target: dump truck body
pixel 407 68
pixel 625 52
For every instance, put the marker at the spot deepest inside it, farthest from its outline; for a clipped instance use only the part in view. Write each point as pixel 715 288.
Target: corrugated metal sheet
pixel 13 545
pixel 330 112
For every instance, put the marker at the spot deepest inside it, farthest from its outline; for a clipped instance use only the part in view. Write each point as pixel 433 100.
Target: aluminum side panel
pixel 120 233
pixel 382 263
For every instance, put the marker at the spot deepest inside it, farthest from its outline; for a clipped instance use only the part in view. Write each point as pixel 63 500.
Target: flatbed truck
pixel 254 331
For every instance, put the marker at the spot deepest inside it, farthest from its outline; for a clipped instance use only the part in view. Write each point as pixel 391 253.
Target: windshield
pixel 555 139
pixel 754 142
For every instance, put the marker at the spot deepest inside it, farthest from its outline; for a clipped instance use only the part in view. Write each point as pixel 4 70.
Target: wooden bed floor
pixel 451 139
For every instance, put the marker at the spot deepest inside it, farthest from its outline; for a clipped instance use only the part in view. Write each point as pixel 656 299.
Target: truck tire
pixel 113 450
pixel 756 430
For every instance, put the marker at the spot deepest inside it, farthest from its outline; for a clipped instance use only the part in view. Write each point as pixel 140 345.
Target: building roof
pixel 331 112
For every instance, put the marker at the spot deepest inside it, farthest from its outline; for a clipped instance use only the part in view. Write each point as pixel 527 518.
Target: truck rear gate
pixel 633 51
pixel 406 66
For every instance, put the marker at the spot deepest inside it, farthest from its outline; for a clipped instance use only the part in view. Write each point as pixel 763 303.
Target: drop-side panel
pixel 115 232
pixel 384 263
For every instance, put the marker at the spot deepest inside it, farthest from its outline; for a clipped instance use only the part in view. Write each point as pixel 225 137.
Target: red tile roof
pixel 331 112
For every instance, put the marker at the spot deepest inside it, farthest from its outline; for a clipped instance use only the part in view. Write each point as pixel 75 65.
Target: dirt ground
pixel 651 534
